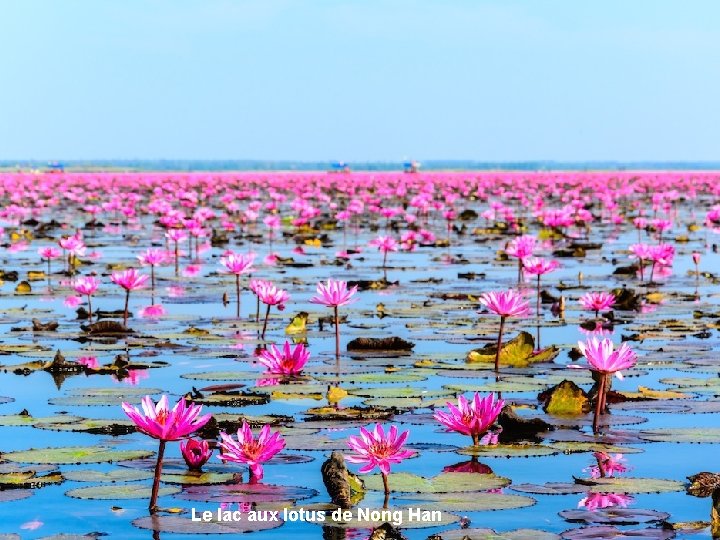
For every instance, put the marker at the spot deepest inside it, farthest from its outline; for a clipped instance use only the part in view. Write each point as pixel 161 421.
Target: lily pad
pixel 113 475
pixel 454 502
pixel 490 534
pixel 183 525
pixel 68 455
pixel 519 351
pixel 245 493
pixel 442 483
pixel 634 485
pixel 614 516
pixel 699 435
pixel 509 450
pixel 118 491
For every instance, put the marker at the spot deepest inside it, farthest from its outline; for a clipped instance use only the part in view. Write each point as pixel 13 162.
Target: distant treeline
pixel 261 165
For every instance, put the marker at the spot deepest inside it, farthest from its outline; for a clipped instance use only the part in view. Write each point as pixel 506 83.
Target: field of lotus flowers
pixel 446 355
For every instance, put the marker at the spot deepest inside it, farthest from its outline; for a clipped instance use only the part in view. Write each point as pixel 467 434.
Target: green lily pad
pixel 245 493
pixel 698 435
pixel 442 483
pixel 97 426
pixel 614 516
pixel 114 475
pixel 509 450
pixel 519 351
pixel 551 488
pixel 68 455
pixel 571 447
pixel 398 392
pixel 183 525
pixel 224 375
pixel 373 378
pixel 490 534
pixel 634 485
pixel 202 478
pixel 28 479
pixel 27 420
pixel 119 491
pixel 461 502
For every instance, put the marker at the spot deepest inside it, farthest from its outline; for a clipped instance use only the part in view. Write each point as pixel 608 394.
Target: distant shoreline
pixel 369 166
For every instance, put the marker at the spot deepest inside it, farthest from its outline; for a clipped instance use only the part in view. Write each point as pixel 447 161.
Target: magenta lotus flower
pixel 602 356
pixel 49 253
pixel 75 248
pixel 253 452
pixel 641 252
pixel 595 501
pixel 129 280
pixel 505 304
pixel 153 311
pixel 87 286
pixel 238 264
pixel 385 244
pixel 161 422
pixel 195 452
pixel 270 295
pixel 605 360
pixel 607 466
pixel 537 266
pixel 153 257
pixel 521 248
pixel 379 449
pixel 471 417
pixel 177 236
pixel 286 361
pixel 334 293
pixel 597 301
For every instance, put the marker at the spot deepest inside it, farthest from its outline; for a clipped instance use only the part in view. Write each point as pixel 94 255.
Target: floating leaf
pixel 519 351
pixel 490 534
pixel 118 491
pixel 634 485
pixel 68 455
pixel 454 502
pixel 113 475
pixel 245 493
pixel 683 435
pixel 509 450
pixel 442 483
pixel 614 516
pixel 28 479
pixel 27 420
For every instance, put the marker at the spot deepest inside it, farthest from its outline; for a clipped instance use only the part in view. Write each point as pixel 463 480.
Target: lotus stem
pixel 237 291
pixel 499 343
pixel 337 333
pixel 90 308
pixel 125 312
pixel 267 314
pixel 156 480
pixel 599 402
pixel 177 257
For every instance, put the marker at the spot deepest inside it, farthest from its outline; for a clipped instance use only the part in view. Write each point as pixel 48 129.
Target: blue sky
pixel 360 80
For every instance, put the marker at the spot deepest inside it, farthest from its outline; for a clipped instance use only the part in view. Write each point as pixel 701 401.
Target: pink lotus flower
pixel 153 257
pixel 334 293
pixel 602 356
pixel 177 236
pixel 90 362
pixel 195 452
pixel 251 451
pixel 471 417
pixel 129 280
pixel 238 264
pixel 607 465
pixel 597 301
pixel 595 501
pixel 604 359
pixel 73 301
pixel 384 244
pixel 87 286
pixel 154 311
pixel 505 304
pixel 161 422
pixel 538 267
pixel 49 252
pixel 285 361
pixel 377 449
